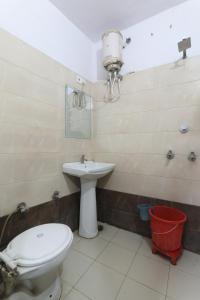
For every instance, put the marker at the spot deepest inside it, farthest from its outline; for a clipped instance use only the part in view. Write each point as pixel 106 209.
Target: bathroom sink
pixel 88 172
pixel 88 169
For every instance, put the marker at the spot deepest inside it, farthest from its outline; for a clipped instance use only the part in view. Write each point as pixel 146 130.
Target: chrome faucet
pixel 83 159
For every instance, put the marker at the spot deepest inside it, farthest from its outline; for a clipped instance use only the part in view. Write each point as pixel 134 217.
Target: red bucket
pixel 167 226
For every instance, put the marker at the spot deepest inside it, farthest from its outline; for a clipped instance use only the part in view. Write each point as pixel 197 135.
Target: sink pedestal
pixel 88 172
pixel 88 227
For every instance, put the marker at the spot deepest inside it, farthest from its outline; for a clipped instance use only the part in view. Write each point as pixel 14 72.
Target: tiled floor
pixel 119 265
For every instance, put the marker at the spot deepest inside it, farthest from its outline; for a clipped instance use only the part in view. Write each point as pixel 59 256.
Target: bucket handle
pixel 166 232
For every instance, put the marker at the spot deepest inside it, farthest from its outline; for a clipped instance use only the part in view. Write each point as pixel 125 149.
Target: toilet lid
pixel 39 244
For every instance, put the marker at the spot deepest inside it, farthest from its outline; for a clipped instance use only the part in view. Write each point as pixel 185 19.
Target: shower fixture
pixel 22 208
pixel 184 128
pixel 79 101
pixel 112 62
pixel 170 155
pixel 55 195
pixel 192 156
pixel 113 86
pixel 184 45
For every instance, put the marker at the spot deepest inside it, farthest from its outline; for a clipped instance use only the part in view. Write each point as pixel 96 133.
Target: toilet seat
pixel 40 244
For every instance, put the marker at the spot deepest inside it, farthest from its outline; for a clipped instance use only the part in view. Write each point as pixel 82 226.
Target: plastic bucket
pixel 167 226
pixel 144 211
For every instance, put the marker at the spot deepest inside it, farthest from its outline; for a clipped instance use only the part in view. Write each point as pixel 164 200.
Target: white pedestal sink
pixel 88 172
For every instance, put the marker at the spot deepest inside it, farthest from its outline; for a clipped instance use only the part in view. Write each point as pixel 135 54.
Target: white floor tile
pixel 147 278
pixel 75 295
pixel 76 238
pixel 145 250
pixel 66 288
pixel 100 283
pixel 116 257
pixel 189 262
pixel 183 286
pixel 126 239
pixel 91 247
pixel 74 266
pixel 108 231
pixel 150 273
pixel 132 290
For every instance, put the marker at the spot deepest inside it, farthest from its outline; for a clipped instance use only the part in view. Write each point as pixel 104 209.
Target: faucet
pixel 83 159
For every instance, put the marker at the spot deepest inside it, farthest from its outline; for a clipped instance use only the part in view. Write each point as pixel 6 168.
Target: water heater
pixel 112 50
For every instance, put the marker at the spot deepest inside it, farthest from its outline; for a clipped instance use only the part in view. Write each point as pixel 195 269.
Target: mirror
pixel 78 107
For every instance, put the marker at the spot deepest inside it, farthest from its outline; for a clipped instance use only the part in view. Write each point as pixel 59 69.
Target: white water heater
pixel 112 50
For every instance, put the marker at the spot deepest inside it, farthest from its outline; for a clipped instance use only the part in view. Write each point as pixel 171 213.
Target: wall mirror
pixel 78 107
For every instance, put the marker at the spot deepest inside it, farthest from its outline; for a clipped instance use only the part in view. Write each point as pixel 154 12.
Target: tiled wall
pixel 32 143
pixel 137 131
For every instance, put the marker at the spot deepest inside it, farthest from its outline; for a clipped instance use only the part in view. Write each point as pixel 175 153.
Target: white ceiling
pixel 93 17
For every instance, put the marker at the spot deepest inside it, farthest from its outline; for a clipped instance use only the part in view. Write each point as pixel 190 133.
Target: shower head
pixel 184 45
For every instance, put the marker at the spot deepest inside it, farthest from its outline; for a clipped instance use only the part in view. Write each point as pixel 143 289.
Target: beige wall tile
pixel 35 139
pixel 182 143
pixel 136 132
pixel 67 184
pixel 6 169
pixel 172 119
pixel 15 193
pixel 2 72
pixel 178 190
pixel 27 57
pixel 123 182
pixel 139 81
pixel 152 165
pixel 147 100
pixel 4 206
pixel 32 113
pixel 181 95
pixel 123 162
pixel 26 84
pixel 6 137
pixel 179 72
pixel 31 192
pixel 22 110
pixel 98 90
pixel 35 165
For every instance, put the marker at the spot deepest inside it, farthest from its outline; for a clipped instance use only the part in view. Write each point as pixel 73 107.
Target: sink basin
pixel 89 169
pixel 88 172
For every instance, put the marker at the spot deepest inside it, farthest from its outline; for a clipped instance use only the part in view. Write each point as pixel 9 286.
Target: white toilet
pixel 37 255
